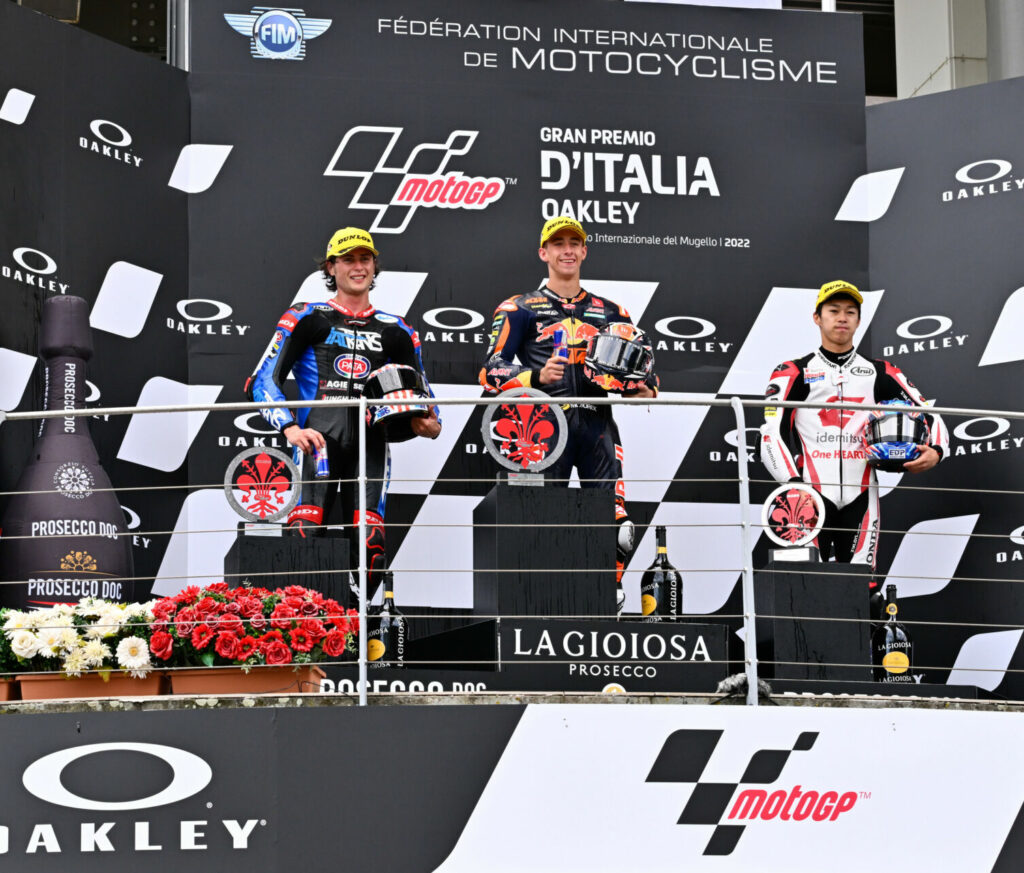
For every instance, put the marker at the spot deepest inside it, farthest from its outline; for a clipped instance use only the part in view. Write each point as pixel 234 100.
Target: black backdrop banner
pixel 706 152
pixel 720 160
pixel 89 136
pixel 953 309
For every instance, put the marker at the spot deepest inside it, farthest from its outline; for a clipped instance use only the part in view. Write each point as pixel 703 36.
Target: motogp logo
pixel 428 185
pixel 353 366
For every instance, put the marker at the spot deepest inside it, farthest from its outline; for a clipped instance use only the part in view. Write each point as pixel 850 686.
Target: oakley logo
pixel 222 310
pixel 983 179
pixel 191 775
pixel 701 327
pixel 99 127
pixel 198 313
pixel 420 180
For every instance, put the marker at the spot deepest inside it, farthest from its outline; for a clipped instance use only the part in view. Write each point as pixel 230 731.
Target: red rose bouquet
pixel 221 626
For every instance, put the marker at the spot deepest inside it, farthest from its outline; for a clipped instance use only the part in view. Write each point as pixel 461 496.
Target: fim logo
pixel 684 757
pixel 396 190
pixel 277 34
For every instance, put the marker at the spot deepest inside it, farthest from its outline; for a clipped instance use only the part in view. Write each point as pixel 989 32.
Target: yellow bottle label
pixel 374 650
pixel 662 550
pixel 896 662
pixel 891 609
pixel 648 604
pixel 390 595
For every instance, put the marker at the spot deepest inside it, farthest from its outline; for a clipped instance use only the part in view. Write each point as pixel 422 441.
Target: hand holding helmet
pixel 892 437
pixel 395 388
pixel 620 359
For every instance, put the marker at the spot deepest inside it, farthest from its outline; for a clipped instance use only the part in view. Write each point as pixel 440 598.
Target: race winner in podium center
pixel 337 350
pixel 551 331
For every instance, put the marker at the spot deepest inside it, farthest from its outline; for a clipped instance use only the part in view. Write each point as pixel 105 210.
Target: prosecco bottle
pixel 388 629
pixel 63 535
pixel 661 586
pixel 892 651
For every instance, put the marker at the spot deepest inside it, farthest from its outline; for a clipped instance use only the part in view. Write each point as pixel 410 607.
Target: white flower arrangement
pixel 92 635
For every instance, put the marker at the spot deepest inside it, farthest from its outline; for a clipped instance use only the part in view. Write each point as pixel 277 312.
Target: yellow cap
pixel 839 286
pixel 347 239
pixel 563 222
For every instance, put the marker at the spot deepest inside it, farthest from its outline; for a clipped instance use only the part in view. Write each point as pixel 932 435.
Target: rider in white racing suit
pixel 823 447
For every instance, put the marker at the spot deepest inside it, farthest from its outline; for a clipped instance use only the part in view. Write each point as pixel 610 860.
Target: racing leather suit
pixel 524 328
pixel 823 447
pixel 331 351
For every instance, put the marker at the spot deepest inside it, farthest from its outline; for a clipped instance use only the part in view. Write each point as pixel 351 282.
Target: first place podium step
pixel 544 551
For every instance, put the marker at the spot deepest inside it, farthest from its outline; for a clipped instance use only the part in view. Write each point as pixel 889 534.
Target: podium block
pixel 813 647
pixel 318 563
pixel 524 537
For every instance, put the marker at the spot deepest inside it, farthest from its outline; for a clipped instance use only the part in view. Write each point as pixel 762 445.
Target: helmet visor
pixel 619 357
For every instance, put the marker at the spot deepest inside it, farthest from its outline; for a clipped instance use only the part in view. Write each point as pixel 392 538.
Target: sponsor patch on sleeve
pixel 508 306
pixel 771 412
pixel 288 321
pixel 771 390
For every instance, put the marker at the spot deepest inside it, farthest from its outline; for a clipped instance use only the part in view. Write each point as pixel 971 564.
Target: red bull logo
pixel 577 333
pixel 607 382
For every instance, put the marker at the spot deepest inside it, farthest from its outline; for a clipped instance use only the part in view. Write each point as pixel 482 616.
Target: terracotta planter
pixel 56 686
pixel 259 680
pixel 8 689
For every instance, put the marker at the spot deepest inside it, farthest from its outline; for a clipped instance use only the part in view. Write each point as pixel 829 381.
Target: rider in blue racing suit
pixel 331 348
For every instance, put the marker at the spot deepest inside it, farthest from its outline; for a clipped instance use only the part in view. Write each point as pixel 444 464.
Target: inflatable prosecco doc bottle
pixel 63 536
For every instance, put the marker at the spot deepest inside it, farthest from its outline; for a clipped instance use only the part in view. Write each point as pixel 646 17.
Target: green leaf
pixel 207 657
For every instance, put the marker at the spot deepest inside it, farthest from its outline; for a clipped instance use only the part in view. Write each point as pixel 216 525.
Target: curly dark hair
pixel 330 282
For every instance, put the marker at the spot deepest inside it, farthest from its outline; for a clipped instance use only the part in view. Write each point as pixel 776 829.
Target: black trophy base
pixel 829 638
pixel 544 551
pixel 318 563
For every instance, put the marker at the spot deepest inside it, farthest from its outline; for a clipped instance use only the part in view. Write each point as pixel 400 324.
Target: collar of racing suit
pixel 558 298
pixel 840 359
pixel 344 310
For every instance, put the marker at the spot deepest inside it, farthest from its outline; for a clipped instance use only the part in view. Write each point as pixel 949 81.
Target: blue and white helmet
pixel 891 436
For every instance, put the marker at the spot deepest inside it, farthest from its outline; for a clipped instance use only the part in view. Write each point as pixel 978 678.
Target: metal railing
pixel 743 481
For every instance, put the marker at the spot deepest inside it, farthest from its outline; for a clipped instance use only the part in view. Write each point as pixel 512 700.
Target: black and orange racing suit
pixel 524 327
